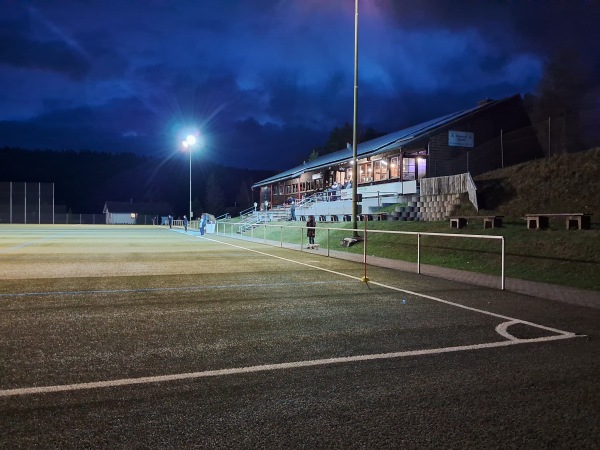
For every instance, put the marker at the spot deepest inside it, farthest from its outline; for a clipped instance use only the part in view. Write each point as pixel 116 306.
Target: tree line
pixel 85 180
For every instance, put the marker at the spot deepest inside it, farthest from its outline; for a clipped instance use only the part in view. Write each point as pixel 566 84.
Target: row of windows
pixel 390 169
pixel 372 171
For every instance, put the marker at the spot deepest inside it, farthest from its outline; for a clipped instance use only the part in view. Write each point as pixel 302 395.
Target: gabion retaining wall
pixel 426 208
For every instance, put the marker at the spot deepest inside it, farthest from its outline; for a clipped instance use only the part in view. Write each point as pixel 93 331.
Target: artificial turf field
pixel 145 337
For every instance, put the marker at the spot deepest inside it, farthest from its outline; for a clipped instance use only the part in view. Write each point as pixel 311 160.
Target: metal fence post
pixel 503 279
pixel 418 252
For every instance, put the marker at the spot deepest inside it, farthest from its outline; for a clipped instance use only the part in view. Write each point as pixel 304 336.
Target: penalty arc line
pixel 513 320
pixel 299 364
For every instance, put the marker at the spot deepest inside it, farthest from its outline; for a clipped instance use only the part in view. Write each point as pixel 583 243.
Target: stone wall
pixel 426 208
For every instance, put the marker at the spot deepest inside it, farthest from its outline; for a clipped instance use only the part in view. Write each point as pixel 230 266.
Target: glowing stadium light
pixel 190 140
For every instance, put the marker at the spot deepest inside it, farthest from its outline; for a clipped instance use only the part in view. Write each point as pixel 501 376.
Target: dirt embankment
pixel 568 183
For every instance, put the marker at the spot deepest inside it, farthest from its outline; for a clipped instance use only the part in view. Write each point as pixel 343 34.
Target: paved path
pixel 565 294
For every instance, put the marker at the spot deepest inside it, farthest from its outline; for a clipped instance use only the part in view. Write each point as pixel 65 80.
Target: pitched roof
pixel 385 143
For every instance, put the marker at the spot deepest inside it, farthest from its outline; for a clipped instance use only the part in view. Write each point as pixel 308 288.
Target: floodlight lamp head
pixel 190 139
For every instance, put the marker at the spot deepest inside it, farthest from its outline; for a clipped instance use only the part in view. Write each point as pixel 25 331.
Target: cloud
pixel 265 81
pixel 20 49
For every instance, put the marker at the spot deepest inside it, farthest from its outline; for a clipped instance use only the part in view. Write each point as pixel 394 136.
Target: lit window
pixel 380 170
pixel 394 167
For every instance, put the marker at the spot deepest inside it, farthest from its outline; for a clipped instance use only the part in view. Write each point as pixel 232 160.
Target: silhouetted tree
pixel 196 208
pixel 85 180
pixel 244 197
pixel 215 198
pixel 314 155
pixel 555 108
pixel 340 137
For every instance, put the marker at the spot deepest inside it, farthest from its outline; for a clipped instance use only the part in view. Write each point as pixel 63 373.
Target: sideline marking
pixel 32 242
pixel 430 297
pixel 501 329
pixel 265 367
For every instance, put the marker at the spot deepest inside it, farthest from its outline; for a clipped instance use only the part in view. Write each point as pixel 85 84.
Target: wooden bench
pixel 488 221
pixel 380 216
pixel 573 221
pixel 373 216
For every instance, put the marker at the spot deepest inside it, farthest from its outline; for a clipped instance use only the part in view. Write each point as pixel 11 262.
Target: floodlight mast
pixel 354 125
pixel 189 142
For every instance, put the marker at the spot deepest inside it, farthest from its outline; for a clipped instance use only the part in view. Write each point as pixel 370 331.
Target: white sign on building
pixel 461 139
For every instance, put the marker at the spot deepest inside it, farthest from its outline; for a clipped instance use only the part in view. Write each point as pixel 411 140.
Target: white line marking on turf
pixel 436 299
pixel 37 241
pixel 265 367
pixel 502 329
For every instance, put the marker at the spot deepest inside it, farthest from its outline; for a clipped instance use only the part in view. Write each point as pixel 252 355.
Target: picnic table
pixel 573 221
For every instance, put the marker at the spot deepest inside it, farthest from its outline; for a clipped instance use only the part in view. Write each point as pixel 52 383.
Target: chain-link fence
pixel 22 202
pixel 33 203
pixel 100 219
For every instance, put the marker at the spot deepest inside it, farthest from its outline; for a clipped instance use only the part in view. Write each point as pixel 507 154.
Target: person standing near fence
pixel 310 231
pixel 202 224
pixel 185 223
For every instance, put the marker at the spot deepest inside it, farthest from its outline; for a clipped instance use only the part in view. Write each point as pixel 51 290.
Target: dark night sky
pixel 264 81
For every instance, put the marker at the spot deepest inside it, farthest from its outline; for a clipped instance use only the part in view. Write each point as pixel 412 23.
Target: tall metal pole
pixel 502 147
pixel 190 216
pixel 354 125
pixel 187 144
pixel 549 141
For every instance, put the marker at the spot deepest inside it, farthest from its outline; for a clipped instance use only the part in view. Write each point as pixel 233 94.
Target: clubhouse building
pixel 409 163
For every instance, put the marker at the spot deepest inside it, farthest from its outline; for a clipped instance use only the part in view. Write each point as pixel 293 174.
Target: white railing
pixel 472 190
pixel 452 184
pixel 221 229
pixel 247 211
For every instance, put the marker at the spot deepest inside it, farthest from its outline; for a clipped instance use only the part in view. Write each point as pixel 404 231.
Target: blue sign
pixel 461 139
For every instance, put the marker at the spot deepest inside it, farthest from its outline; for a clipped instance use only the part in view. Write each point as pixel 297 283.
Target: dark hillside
pixel 85 180
pixel 568 183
